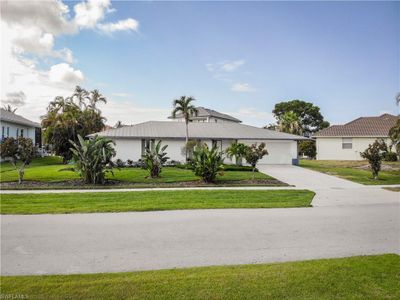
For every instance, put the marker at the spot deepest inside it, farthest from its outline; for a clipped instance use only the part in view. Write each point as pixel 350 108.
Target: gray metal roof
pixel 203 112
pixel 176 130
pixel 11 117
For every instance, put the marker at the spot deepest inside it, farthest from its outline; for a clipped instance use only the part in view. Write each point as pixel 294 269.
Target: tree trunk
pixel 21 174
pixel 187 140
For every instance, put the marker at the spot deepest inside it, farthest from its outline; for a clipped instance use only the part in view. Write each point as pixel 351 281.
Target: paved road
pixel 348 219
pixel 89 243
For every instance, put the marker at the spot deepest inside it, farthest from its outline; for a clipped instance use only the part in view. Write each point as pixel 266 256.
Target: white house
pixel 345 142
pixel 132 140
pixel 13 125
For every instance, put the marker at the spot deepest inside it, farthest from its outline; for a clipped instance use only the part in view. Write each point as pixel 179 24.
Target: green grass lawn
pixel 393 189
pixel 350 170
pixel 50 169
pixel 362 277
pixel 151 200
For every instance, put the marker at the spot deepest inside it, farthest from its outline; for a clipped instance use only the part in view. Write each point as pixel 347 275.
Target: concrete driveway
pixel 331 190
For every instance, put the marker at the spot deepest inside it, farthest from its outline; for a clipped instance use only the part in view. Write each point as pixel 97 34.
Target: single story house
pixel 13 125
pixel 132 140
pixel 346 142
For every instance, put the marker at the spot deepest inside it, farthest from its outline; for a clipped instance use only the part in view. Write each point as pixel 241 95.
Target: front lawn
pixel 151 200
pixel 356 171
pixel 362 277
pixel 50 170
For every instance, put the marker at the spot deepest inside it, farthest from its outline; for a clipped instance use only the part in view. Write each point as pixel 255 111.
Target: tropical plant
pixel 184 106
pixel 21 149
pixel 394 135
pixel 188 148
pixel 309 115
pixel 9 108
pixel 374 154
pixel 154 159
pixel 66 118
pixel 93 158
pixel 290 123
pixel 254 153
pixel 237 150
pixel 207 163
pixel 308 148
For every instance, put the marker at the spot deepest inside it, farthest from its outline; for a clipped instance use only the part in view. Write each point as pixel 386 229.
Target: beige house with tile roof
pixel 345 142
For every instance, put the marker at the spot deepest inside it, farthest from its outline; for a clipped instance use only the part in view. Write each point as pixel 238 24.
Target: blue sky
pixel 243 57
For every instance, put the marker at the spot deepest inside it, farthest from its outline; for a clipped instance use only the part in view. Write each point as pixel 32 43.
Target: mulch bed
pixel 112 184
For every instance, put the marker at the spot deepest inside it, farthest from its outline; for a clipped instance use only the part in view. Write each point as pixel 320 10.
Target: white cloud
pixel 242 88
pixel 232 65
pixel 123 25
pixel 89 13
pixel 15 98
pixel 64 73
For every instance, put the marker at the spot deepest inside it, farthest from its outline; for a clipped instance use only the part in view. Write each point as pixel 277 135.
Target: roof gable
pixel 8 116
pixel 364 126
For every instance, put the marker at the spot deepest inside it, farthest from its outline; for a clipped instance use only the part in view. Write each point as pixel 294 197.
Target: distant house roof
pixel 203 112
pixel 176 130
pixel 11 117
pixel 364 126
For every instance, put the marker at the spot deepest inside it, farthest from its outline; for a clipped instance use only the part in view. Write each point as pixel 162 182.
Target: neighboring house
pixel 207 115
pixel 345 142
pixel 13 125
pixel 131 141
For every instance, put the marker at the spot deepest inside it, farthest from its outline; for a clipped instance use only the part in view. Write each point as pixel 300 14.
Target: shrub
pixel 129 163
pixel 207 163
pixel 374 154
pixel 154 159
pixel 21 149
pixel 119 163
pixel 93 158
pixel 237 150
pixel 254 153
pixel 308 148
pixel 390 156
pixel 188 149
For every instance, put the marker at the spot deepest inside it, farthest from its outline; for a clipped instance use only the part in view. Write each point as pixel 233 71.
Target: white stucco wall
pixel 330 148
pixel 280 152
pixel 28 131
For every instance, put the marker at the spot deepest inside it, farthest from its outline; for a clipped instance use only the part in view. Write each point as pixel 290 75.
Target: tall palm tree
pixel 398 99
pixel 81 95
pixel 9 108
pixel 184 106
pixel 290 123
pixel 96 97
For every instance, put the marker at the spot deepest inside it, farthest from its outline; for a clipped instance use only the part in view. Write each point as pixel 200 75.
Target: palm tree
pixel 290 123
pixel 81 95
pixel 96 97
pixel 398 99
pixel 237 150
pixel 184 106
pixel 9 108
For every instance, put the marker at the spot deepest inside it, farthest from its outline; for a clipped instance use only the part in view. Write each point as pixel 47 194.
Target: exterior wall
pixel 28 131
pixel 330 148
pixel 280 152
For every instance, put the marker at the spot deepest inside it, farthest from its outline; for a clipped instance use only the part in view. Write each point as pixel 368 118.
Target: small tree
pixel 154 159
pixel 207 163
pixel 21 149
pixel 93 158
pixel 237 150
pixel 188 148
pixel 308 148
pixel 254 153
pixel 374 154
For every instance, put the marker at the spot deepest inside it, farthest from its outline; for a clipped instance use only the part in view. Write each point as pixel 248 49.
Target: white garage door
pixel 279 152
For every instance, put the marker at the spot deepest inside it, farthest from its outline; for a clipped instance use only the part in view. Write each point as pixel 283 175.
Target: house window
pixel 2 132
pixel 147 144
pixel 347 143
pixel 8 131
pixel 22 133
pixel 17 133
pixel 217 143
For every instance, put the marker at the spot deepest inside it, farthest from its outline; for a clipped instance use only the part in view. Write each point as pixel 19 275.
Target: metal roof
pixel 364 126
pixel 11 117
pixel 203 112
pixel 176 130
